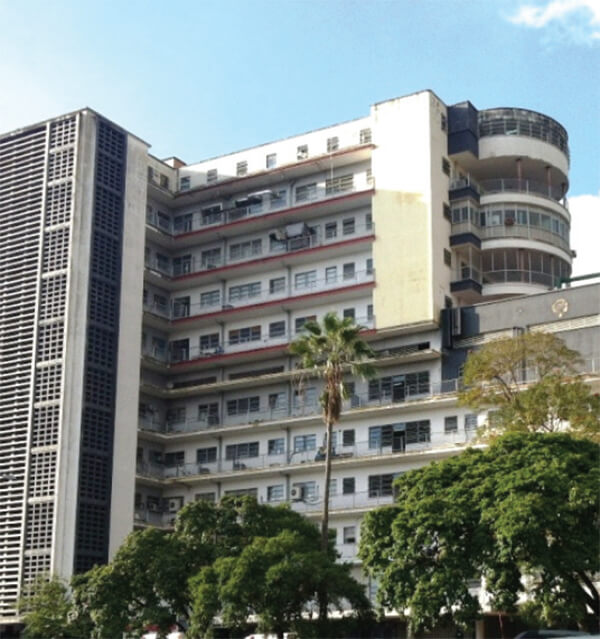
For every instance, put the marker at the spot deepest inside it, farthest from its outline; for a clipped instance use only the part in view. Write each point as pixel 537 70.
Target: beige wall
pixel 407 210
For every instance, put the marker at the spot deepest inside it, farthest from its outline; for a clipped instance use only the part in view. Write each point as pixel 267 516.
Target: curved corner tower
pixel 510 220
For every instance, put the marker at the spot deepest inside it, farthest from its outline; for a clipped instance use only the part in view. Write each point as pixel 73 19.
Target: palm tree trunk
pixel 322 594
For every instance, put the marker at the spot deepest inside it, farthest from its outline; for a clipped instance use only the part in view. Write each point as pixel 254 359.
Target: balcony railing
pixel 268 202
pixel 284 411
pixel 299 289
pixel 523 232
pixel 360 500
pixel 505 185
pixel 521 276
pixel 466 273
pixel 360 450
pixel 509 121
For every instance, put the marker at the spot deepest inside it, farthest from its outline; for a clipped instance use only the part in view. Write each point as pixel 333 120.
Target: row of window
pixel 302 153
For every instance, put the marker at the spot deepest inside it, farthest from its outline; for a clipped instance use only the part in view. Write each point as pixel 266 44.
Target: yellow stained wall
pixel 411 279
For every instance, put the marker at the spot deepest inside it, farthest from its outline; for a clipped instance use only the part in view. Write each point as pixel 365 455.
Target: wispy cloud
pixel 574 20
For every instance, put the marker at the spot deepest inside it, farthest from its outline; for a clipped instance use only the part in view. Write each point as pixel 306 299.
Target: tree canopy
pixel 234 559
pixel 531 384
pixel 521 514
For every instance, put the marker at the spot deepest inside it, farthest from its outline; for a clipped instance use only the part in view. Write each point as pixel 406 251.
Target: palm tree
pixel 328 351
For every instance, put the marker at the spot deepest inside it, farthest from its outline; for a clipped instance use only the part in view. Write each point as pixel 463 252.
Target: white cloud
pixel 585 233
pixel 576 20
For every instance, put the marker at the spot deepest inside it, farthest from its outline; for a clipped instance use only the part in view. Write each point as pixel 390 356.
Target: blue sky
pixel 201 78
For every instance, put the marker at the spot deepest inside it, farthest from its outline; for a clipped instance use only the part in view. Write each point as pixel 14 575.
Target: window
pixel 443 122
pixel 174 459
pixel 447 257
pixel 241 168
pixel 211 176
pixel 348 437
pixel 451 424
pixel 243 405
pixel 369 221
pixel 369 312
pixel 277 329
pixel 349 313
pixel 275 493
pixel 277 400
pixel 330 230
pixel 278 198
pixel 446 166
pixel 305 397
pixel 302 152
pixel 331 275
pixel 184 183
pixel 349 534
pixel 164 181
pixel 369 177
pixel 209 342
pixel 209 413
pixel 162 262
pixel 418 432
pixel 276 446
pixel 305 442
pixel 206 455
pixel 306 192
pixel 369 266
pixel 212 497
pixel 244 291
pixel 211 214
pixel 398 386
pixel 211 258
pixel 307 279
pixel 180 349
pixel 241 492
pixel 276 285
pixel 470 422
pixel 181 306
pixel 242 335
pixel 241 451
pixel 271 160
pixel 300 321
pixel 332 144
pixel 210 298
pixel 349 272
pixel 381 485
pixel 245 249
pixel 308 489
pixel 447 212
pixel 182 265
pixel 348 226
pixel 183 223
pixel 339 184
pixel 365 136
pixel 348 486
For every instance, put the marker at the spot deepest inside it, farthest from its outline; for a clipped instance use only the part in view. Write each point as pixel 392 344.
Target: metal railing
pixel 523 232
pixel 523 276
pixel 188 223
pixel 466 273
pixel 285 411
pixel 509 121
pixel 360 450
pixel 504 185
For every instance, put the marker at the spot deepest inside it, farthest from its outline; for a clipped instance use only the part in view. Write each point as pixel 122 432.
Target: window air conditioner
pixel 153 507
pixel 296 493
pixel 175 504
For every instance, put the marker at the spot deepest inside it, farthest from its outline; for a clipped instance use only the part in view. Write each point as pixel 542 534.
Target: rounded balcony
pixel 516 271
pixel 506 134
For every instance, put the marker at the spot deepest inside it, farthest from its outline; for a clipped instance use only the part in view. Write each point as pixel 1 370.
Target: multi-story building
pixel 388 219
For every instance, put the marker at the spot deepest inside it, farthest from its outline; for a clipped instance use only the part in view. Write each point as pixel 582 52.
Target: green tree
pixel 47 607
pixel 531 384
pixel 275 579
pixel 329 351
pixel 522 514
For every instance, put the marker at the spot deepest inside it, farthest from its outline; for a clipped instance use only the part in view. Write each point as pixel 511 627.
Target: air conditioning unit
pixel 153 507
pixel 175 504
pixel 296 493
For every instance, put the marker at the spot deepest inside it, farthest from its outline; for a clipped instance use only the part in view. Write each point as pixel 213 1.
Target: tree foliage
pixel 531 384
pixel 47 606
pixel 522 514
pixel 209 564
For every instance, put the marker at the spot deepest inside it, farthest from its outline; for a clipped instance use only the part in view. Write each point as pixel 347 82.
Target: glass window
pixel 174 459
pixel 451 424
pixel 276 446
pixel 349 313
pixel 349 271
pixel 300 321
pixel 381 485
pixel 331 274
pixel 348 226
pixel 243 335
pixel 277 329
pixel 243 405
pixel 349 534
pixel 276 285
pixel 275 493
pixel 302 152
pixel 241 451
pixel 305 442
pixel 241 168
pixel 306 279
pixel 348 485
pixel 365 136
pixel 210 298
pixel 332 144
pixel 271 160
pixel 339 184
pixel 306 192
pixel 244 291
pixel 206 455
pixel 348 435
pixel 211 175
pixel 331 230
pixel 368 221
pixel 247 249
pixel 209 342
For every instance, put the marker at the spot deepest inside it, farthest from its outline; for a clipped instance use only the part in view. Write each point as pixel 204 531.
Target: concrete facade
pixel 404 219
